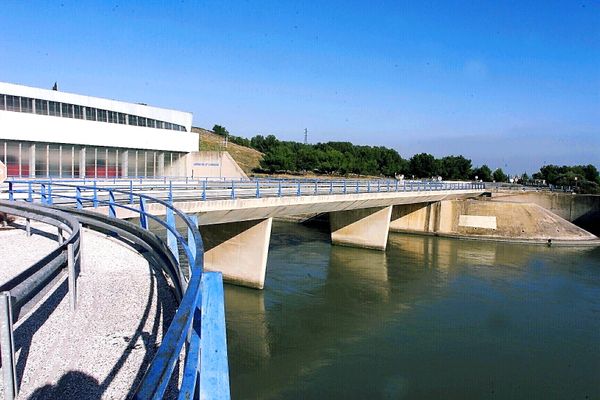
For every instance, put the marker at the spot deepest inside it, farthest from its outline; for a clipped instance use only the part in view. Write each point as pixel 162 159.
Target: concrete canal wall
pixel 487 220
pixel 582 209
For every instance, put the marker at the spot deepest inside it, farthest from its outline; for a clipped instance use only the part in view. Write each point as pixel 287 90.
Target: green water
pixel 430 318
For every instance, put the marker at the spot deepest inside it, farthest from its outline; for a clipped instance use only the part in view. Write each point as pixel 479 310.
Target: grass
pixel 247 158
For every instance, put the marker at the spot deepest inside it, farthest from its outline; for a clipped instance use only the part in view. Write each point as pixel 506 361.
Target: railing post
pixel 204 190
pixel 396 185
pixel 357 190
pixel 330 187
pixel 299 190
pixel 72 276
pixel 257 189
pixel 171 238
pixel 143 217
pixel 60 237
pixel 10 191
pixel 112 212
pixel 43 193
pixel 378 185
pixel 28 227
pixel 29 192
pixel 130 191
pixel 232 189
pixel 279 188
pixel 7 346
pixel 316 187
pixel 170 190
pixel 78 197
pixel 95 196
pixel 49 200
pixel 368 186
pixel 192 242
pixel 344 186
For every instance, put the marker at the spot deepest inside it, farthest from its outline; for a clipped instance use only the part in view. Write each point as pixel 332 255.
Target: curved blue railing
pixel 187 322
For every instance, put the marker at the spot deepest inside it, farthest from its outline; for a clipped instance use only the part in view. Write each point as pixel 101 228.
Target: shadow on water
pixel 430 317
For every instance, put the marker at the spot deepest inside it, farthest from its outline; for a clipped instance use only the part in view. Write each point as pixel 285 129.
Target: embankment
pixel 489 220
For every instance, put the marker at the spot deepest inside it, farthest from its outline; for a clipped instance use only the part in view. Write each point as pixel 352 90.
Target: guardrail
pixel 220 190
pixel 19 293
pixel 199 320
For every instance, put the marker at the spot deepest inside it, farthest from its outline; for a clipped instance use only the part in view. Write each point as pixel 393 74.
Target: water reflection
pixel 430 317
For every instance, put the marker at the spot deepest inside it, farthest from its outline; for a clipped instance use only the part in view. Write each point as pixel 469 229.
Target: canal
pixel 430 318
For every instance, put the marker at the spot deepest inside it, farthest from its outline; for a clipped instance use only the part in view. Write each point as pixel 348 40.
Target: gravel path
pixel 19 251
pixel 97 351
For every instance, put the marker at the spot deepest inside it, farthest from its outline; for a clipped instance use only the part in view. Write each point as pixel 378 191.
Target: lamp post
pixel 575 184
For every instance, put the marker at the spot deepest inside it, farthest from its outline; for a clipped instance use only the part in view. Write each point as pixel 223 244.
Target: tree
pixel 455 167
pixel 220 130
pixel 500 176
pixel 484 173
pixel 423 165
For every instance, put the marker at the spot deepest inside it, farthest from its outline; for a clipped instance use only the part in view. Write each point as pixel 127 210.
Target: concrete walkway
pixel 98 351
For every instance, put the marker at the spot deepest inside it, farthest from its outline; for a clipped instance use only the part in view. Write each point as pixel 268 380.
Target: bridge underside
pixel 236 232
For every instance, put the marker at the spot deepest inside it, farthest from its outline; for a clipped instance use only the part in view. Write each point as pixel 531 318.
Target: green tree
pixel 484 173
pixel 220 130
pixel 455 167
pixel 500 176
pixel 423 165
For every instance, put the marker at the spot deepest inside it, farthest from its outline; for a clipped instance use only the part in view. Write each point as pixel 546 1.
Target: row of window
pixel 57 109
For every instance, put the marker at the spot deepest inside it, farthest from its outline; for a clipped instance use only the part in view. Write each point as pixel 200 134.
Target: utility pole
pixel 305 136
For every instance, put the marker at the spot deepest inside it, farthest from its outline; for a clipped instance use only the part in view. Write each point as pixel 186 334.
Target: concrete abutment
pixel 238 250
pixel 366 227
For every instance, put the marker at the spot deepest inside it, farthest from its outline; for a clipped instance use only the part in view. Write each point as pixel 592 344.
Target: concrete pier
pixel 365 227
pixel 238 250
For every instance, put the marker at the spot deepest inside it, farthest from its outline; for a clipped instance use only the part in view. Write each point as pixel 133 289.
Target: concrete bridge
pixel 235 217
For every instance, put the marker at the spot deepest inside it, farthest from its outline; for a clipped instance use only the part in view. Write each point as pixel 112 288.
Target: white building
pixel 48 133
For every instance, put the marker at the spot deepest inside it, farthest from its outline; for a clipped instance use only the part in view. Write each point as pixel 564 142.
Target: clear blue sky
pixel 510 84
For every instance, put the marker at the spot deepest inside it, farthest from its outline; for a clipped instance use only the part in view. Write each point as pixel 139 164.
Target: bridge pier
pixel 366 227
pixel 238 250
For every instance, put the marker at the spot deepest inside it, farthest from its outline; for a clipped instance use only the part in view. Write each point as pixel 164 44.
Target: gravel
pixel 103 348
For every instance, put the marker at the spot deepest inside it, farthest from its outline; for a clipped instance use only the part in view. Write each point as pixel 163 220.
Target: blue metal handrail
pixel 237 189
pixel 187 320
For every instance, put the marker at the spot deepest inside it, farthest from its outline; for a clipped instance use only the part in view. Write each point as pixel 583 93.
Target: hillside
pixel 247 158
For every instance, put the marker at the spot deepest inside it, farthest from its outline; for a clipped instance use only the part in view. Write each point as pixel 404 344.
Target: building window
pixel 26 105
pixel 78 112
pixel 133 120
pixel 112 117
pixel 54 108
pixel 2 103
pixel 168 125
pixel 67 110
pixel 90 113
pixel 41 107
pixel 101 115
pixel 13 103
pixel 160 125
pixel 141 121
pixel 122 118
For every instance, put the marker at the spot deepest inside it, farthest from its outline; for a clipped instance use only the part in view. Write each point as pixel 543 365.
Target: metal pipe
pixel 72 277
pixel 7 347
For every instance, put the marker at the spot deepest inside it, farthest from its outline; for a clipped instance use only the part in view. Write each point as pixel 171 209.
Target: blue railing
pixel 201 305
pixel 205 189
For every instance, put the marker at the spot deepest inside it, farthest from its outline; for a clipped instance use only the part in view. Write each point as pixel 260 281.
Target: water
pixel 430 318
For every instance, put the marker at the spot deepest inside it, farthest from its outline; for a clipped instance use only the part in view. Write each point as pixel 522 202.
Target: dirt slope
pixel 247 158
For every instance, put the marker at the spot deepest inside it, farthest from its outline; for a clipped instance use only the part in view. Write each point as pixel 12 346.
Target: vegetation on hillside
pixel 343 158
pixel 582 178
